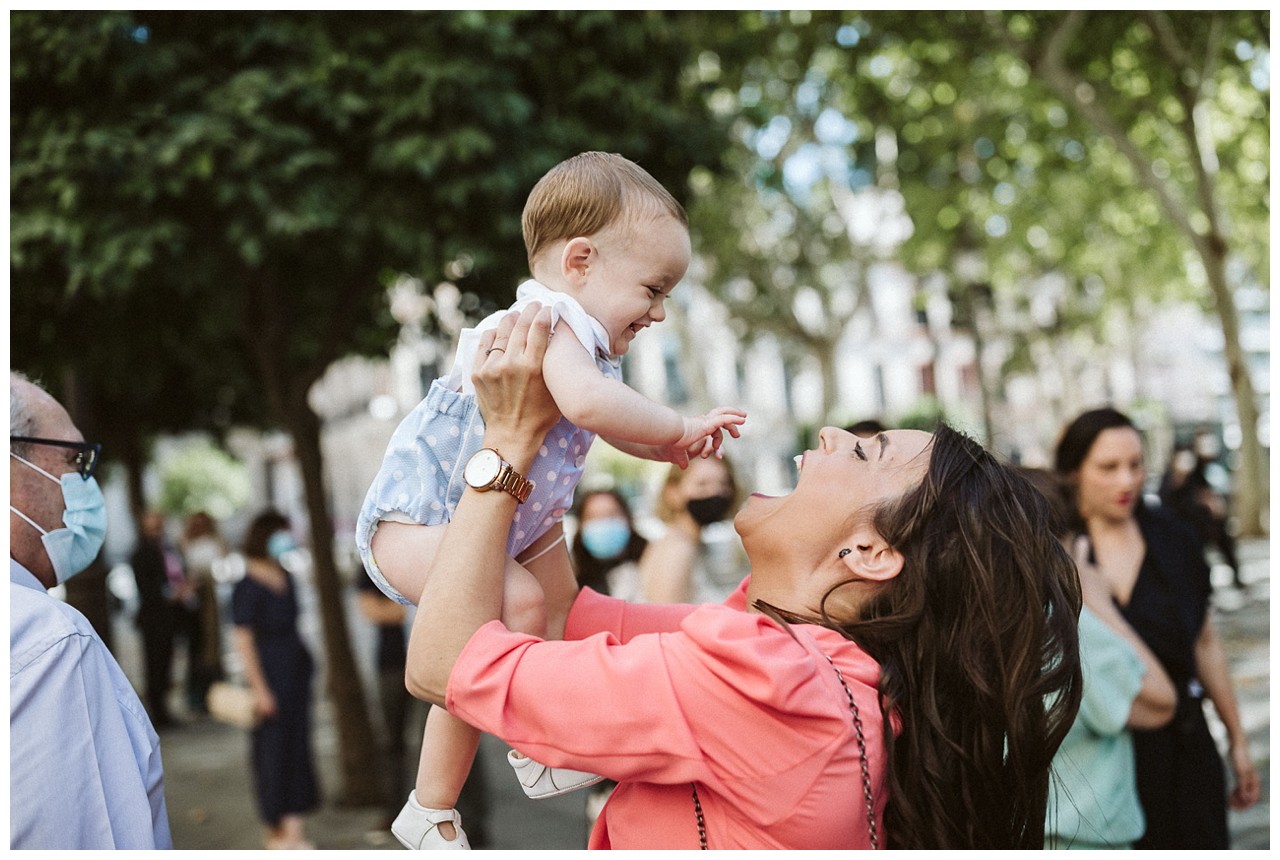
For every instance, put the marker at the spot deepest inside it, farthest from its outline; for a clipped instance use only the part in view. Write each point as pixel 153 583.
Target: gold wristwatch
pixel 486 470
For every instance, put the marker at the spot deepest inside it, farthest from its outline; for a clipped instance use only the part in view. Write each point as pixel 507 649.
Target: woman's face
pixel 706 478
pixel 601 506
pixel 1109 480
pixel 843 476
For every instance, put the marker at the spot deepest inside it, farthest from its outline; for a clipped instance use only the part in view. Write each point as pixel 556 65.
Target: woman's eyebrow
pixel 884 443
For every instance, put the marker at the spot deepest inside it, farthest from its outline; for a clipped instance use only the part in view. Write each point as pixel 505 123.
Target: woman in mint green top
pixel 1093 796
pixel 1093 791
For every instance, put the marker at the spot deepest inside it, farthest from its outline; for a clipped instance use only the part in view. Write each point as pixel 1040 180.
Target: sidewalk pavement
pixel 211 803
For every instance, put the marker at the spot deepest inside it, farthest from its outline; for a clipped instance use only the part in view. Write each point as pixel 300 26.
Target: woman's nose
pixel 830 438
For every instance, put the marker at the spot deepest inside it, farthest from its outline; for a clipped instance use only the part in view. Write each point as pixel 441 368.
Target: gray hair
pixel 21 420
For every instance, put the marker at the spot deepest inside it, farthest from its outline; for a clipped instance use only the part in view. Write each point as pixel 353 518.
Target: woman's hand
pixel 1248 785
pixel 513 399
pixel 464 586
pixel 264 703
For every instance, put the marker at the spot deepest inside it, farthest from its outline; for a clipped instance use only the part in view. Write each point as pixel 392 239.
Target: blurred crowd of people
pixel 1141 714
pixel 1139 768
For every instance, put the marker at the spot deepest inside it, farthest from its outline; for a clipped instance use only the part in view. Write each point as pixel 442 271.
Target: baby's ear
pixel 576 260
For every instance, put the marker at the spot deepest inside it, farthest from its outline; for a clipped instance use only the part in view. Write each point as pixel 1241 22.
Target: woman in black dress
pixel 278 668
pixel 1157 575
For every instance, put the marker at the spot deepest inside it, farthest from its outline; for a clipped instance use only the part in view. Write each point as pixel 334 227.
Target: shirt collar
pixel 19 575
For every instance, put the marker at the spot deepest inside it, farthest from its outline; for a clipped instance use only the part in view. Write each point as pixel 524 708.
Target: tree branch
pixel 1167 39
pixel 1055 48
pixel 1067 84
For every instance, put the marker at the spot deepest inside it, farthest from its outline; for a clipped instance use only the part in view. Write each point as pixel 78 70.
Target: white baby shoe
pixel 540 781
pixel 417 827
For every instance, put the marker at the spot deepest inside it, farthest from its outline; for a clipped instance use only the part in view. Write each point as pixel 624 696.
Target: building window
pixel 928 379
pixel 677 394
pixel 969 380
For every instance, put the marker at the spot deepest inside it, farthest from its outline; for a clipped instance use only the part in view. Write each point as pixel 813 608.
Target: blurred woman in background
pixel 1155 571
pixel 278 668
pixel 606 546
pixel 203 548
pixel 682 565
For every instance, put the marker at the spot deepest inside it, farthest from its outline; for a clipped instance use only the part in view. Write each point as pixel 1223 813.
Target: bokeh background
pixel 243 243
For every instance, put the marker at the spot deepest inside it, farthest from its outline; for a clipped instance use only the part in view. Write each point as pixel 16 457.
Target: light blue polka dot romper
pixel 420 480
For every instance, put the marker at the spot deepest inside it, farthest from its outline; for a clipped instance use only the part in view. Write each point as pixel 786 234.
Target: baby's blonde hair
pixel 584 194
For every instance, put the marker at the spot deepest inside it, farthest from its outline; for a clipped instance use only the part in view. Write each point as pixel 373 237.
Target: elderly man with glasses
pixel 84 760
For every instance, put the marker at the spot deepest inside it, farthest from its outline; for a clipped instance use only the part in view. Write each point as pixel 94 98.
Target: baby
pixel 606 245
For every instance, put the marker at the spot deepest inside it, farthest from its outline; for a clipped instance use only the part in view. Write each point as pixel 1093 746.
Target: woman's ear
pixel 576 259
pixel 870 557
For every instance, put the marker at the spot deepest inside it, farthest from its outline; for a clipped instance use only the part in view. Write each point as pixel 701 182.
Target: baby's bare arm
pixel 606 407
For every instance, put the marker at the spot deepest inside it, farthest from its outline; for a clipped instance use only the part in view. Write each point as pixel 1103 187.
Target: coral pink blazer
pixel 659 697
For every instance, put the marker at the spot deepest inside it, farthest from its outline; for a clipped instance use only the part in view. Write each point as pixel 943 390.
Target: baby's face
pixel 637 268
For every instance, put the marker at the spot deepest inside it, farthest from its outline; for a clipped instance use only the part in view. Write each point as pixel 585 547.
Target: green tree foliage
pixel 1182 98
pixel 230 194
pixel 203 477
pixel 782 251
pixel 1094 164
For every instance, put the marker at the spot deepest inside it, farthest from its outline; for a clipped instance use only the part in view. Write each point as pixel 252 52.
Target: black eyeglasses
pixel 87 453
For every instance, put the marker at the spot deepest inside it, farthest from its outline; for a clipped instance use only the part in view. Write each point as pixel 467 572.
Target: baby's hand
pixel 703 435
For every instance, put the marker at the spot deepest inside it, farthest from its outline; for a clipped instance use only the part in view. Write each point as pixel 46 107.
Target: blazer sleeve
pixel 700 703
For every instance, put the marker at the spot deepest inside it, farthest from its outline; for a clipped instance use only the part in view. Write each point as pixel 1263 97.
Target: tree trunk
pixel 268 331
pixel 1251 487
pixel 825 350
pixel 87 592
pixel 362 784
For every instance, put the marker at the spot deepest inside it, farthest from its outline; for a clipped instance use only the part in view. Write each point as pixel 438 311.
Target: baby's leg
pixel 404 553
pixel 549 566
pixel 548 561
pixel 448 743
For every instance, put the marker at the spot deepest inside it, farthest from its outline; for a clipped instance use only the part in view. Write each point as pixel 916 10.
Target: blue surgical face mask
pixel 279 544
pixel 72 548
pixel 606 537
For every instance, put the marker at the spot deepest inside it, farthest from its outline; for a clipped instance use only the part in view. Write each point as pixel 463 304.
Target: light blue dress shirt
pixel 84 761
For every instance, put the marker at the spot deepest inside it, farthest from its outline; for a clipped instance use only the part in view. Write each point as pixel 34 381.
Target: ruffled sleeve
pixel 587 329
pixel 564 308
pixel 593 612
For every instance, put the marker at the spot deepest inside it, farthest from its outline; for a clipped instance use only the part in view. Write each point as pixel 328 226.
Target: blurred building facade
pixel 901 357
pixel 898 359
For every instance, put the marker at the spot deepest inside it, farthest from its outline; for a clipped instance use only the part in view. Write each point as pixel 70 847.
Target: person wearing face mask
pixel 684 565
pixel 278 668
pixel 607 547
pixel 84 759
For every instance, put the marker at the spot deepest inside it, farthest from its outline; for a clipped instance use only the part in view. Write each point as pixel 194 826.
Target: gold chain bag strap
pixel 862 753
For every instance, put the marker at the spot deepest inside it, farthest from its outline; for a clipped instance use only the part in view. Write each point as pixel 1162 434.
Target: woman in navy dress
pixel 278 668
pixel 1158 577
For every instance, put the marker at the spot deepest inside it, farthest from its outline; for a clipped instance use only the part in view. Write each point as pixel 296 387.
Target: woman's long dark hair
pixel 976 640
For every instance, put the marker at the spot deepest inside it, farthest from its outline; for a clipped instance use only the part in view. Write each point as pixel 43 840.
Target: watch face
pixel 482 468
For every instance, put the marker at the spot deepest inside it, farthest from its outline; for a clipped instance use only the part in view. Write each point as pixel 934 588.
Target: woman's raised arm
pixel 464 588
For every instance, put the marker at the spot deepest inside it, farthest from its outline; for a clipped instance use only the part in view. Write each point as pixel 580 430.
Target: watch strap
pixel 511 481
